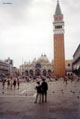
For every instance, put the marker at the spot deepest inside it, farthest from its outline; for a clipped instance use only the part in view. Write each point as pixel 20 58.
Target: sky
pixel 26 29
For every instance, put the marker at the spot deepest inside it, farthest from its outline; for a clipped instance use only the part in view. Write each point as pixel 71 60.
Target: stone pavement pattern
pixel 63 102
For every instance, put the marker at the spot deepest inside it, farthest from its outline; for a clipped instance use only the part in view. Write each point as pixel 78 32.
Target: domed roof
pixel 43 58
pixel 34 61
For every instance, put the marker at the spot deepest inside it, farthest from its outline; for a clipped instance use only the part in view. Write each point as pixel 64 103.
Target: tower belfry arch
pixel 59 52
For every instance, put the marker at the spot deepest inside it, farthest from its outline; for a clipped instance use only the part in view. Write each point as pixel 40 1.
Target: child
pixel 38 88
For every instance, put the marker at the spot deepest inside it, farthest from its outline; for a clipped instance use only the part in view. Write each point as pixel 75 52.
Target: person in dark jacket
pixel 38 88
pixel 14 83
pixel 44 87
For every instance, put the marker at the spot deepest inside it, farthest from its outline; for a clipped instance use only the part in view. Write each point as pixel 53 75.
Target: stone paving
pixel 63 102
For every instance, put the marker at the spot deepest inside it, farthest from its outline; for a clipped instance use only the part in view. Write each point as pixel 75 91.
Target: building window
pixel 68 65
pixel 58 27
pixel 37 72
pixel 26 72
pixel 44 72
pixel 31 72
pixel 38 65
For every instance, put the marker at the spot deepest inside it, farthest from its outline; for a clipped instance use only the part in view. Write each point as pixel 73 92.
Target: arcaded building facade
pixel 76 61
pixel 38 67
pixel 6 67
pixel 42 67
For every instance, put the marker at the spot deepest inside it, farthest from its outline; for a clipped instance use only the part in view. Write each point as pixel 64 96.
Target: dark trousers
pixel 44 96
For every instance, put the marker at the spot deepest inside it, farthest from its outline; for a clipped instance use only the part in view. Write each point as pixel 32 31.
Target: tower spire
pixel 57 1
pixel 58 9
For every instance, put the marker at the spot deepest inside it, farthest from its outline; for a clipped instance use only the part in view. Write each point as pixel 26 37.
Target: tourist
pixel 65 80
pixel 18 82
pixel 38 88
pixel 11 83
pixel 8 83
pixel 44 87
pixel 14 83
pixel 3 83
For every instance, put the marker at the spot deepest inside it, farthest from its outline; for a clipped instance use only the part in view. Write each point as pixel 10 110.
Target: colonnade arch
pixel 38 72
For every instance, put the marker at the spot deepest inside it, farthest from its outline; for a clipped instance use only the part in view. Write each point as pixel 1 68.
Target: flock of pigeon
pixel 71 91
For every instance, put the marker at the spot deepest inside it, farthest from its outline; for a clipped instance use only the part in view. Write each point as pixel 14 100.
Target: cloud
pixel 26 28
pixel 15 13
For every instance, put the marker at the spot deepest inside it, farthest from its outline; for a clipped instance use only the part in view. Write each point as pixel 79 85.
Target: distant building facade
pixel 10 62
pixel 42 67
pixel 68 66
pixel 76 61
pixel 38 67
pixel 15 71
pixel 6 67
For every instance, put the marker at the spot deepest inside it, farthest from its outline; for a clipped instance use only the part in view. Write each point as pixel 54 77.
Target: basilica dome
pixel 43 58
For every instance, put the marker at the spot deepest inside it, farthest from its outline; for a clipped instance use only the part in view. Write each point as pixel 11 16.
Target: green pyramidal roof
pixel 58 9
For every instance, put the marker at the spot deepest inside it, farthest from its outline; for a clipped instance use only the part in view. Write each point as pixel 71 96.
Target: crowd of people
pixel 11 83
pixel 41 87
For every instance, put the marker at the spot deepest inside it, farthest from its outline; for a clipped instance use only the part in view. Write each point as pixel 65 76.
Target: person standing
pixel 11 83
pixel 18 82
pixel 44 87
pixel 3 83
pixel 38 88
pixel 8 84
pixel 14 83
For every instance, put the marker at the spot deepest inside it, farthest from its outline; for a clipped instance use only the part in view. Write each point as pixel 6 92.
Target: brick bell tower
pixel 59 53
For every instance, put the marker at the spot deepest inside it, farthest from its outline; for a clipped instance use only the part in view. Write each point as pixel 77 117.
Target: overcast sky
pixel 26 28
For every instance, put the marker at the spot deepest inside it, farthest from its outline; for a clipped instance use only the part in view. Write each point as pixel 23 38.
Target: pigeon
pixel 61 89
pixel 73 92
pixel 3 92
pixel 53 92
pixel 77 97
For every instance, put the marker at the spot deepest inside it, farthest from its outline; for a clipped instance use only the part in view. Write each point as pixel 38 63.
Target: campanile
pixel 59 53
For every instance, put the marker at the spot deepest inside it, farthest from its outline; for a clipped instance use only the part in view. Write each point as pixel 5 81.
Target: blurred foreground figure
pixel 14 83
pixel 3 83
pixel 8 83
pixel 18 82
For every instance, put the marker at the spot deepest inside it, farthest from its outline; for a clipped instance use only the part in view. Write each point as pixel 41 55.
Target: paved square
pixel 63 101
